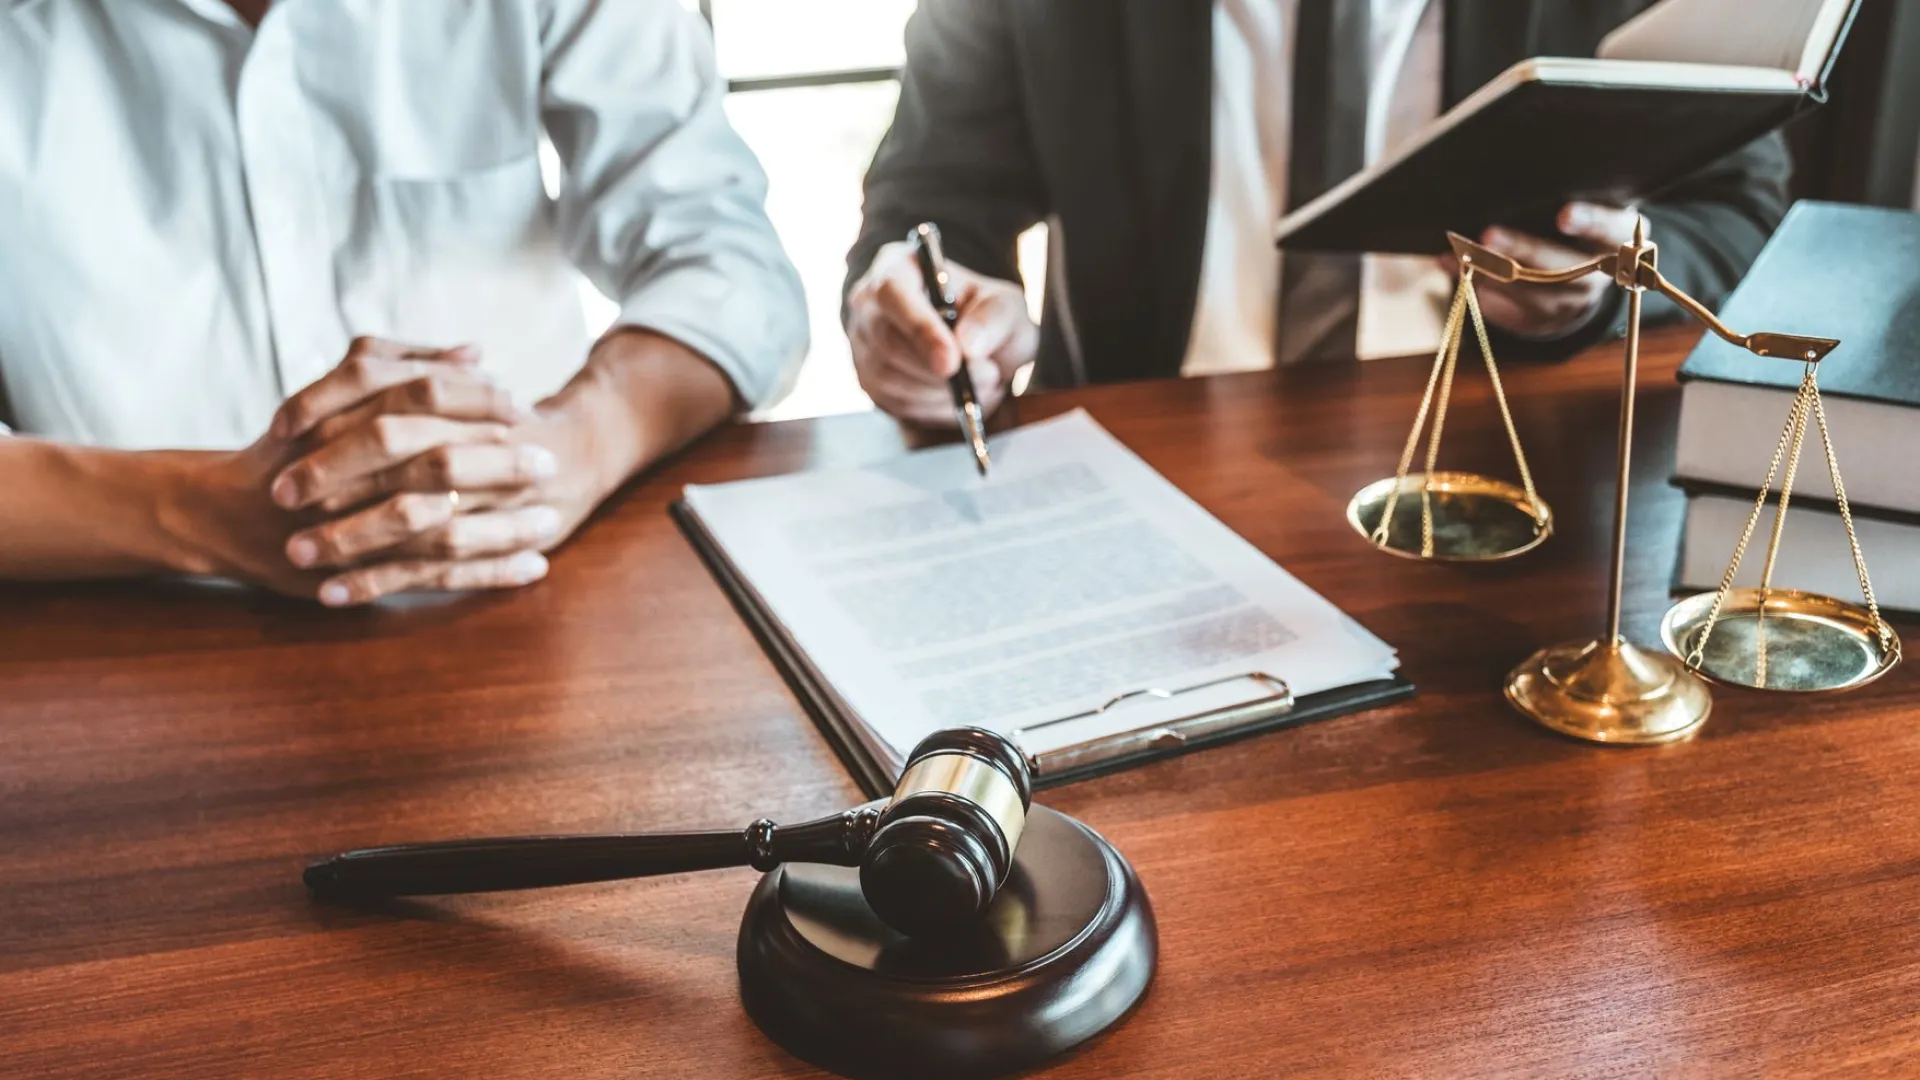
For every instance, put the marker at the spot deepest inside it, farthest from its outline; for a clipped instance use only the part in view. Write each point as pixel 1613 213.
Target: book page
pixel 1814 552
pixel 1791 35
pixel 926 596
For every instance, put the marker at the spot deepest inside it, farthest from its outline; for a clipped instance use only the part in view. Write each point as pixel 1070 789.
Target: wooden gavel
pixel 931 857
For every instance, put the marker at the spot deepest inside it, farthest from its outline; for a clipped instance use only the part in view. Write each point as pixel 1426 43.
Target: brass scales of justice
pixel 1609 690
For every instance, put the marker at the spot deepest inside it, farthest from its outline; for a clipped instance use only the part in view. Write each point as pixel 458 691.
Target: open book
pixel 913 595
pixel 1682 84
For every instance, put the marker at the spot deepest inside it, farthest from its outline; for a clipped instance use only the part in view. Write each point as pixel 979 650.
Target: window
pixel 759 42
pixel 815 143
pixel 812 85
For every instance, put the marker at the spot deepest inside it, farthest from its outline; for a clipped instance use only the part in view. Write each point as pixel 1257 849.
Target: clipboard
pixel 1276 707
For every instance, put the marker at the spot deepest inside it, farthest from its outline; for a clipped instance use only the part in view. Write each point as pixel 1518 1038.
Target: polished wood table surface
pixel 1433 889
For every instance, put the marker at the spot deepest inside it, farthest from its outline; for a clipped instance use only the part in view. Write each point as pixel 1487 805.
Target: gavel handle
pixel 532 862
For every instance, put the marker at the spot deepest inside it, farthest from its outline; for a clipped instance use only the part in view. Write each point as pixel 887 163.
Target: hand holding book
pixel 1545 312
pixel 1671 91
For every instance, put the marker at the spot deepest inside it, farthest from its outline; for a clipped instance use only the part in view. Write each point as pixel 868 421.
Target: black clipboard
pixel 1052 768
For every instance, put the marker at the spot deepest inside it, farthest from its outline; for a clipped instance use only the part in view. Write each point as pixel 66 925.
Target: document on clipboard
pixel 1073 600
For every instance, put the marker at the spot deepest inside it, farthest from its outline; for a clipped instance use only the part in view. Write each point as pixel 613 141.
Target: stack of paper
pixel 918 595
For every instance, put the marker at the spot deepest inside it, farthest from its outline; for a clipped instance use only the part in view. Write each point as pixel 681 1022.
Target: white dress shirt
pixel 1234 317
pixel 197 217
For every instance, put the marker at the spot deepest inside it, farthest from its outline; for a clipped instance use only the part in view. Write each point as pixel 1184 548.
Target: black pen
pixel 927 252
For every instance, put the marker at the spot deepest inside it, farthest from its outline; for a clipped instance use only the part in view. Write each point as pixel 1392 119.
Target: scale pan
pixel 1798 642
pixel 1475 518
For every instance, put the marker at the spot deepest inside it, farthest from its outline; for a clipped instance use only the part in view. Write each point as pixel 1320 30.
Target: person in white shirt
pixel 1161 140
pixel 283 297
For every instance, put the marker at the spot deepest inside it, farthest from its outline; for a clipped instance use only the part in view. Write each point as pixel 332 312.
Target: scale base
pixel 1065 950
pixel 1610 692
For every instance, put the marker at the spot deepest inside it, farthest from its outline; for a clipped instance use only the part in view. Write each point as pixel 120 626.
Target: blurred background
pixel 812 85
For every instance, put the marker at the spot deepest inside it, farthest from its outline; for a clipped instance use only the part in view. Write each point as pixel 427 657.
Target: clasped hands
pixel 413 470
pixel 402 469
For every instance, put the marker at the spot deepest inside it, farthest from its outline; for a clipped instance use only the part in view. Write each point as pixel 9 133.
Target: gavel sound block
pixel 1065 949
pixel 954 930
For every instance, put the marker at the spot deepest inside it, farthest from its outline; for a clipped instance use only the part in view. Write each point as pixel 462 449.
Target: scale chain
pixel 1449 343
pixel 1806 391
pixel 1500 396
pixel 1439 425
pixel 1434 403
pixel 1698 652
pixel 1846 518
pixel 1799 419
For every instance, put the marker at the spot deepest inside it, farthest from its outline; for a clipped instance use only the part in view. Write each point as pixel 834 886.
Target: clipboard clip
pixel 1163 735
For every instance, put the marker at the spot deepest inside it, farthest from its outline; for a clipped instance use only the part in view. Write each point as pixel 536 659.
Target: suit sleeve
pixel 1709 227
pixel 959 152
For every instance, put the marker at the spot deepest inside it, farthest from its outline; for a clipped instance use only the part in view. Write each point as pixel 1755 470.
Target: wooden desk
pixel 1434 889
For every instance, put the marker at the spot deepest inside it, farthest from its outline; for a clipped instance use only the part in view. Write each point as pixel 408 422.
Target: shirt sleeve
pixel 662 205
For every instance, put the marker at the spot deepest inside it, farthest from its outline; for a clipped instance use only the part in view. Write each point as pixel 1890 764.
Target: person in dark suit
pixel 1161 139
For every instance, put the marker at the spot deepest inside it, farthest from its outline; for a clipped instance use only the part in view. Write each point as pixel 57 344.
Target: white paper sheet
pixel 928 597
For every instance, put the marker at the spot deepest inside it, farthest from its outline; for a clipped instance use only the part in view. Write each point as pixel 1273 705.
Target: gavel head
pixel 944 844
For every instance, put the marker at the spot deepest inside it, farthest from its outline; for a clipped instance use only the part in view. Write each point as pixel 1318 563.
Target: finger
pixel 900 384
pixel 387 579
pixel 895 350
pixel 465 467
pixel 990 383
pixel 455 392
pixel 356 497
pixel 902 302
pixel 990 324
pixel 1537 311
pixel 1503 310
pixel 915 404
pixel 891 256
pixel 1531 250
pixel 910 398
pixel 889 371
pixel 1608 226
pixel 380 443
pixel 932 407
pixel 371 365
pixel 368 490
pixel 932 401
pixel 473 536
pixel 388 524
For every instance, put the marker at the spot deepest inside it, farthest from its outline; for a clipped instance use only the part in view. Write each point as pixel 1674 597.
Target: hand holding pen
pixel 932 262
pixel 904 351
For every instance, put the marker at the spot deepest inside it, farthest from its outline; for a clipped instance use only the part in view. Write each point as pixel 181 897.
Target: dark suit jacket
pixel 1095 115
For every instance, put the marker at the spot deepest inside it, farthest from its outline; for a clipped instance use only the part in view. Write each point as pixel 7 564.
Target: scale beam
pixel 1494 266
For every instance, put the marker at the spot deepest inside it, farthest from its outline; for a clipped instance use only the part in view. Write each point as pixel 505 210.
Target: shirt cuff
pixel 756 337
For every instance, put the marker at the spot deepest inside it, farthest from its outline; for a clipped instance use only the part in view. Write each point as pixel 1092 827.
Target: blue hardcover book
pixel 1837 271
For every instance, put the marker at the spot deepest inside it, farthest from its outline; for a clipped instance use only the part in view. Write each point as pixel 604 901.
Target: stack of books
pixel 1846 272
